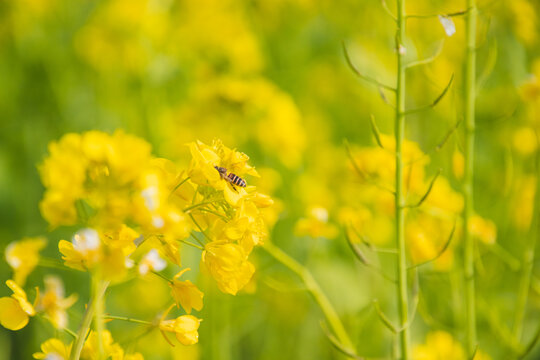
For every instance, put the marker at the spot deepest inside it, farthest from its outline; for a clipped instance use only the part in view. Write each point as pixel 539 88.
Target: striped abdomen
pixel 236 180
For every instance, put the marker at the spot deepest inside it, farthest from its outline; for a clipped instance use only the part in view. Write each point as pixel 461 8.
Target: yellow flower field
pixel 288 179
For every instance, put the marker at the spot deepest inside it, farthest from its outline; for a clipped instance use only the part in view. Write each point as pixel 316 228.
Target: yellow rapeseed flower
pixel 87 251
pixel 316 224
pixel 228 265
pixel 186 294
pixel 525 20
pixel 523 202
pixel 123 238
pixel 184 327
pixel 23 257
pixel 91 176
pixel 151 262
pixel 439 345
pixel 154 208
pixel 53 303
pixel 426 236
pixel 247 227
pixel 15 310
pixel 53 349
pixel 378 164
pixel 525 140
pixel 90 350
pixel 206 158
pixel 83 252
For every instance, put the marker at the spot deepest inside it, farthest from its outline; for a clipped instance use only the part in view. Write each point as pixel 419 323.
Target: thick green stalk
pixel 528 261
pixel 402 293
pixel 470 98
pixel 87 320
pixel 313 287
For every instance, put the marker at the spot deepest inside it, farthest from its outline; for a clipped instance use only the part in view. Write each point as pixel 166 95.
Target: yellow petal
pixel 187 295
pixel 236 228
pixel 12 315
pixel 186 327
pixel 20 296
pixel 232 196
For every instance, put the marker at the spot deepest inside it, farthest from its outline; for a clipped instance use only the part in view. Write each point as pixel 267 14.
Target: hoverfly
pixel 233 179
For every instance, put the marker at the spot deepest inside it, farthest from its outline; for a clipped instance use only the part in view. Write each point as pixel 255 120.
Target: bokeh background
pixel 269 78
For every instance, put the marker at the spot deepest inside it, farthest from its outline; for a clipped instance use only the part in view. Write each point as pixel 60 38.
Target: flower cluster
pixel 56 349
pixel 227 215
pixel 433 207
pixel 134 212
pixel 441 345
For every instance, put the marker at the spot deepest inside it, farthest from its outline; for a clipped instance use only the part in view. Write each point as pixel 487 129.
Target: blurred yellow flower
pixel 442 200
pixel 186 294
pixel 458 164
pixel 92 170
pixel 23 257
pixel 523 202
pixel 228 265
pixel 134 356
pixel 88 252
pixel 151 262
pixel 53 349
pixel 525 140
pixel 184 327
pixel 250 109
pixel 15 310
pixel 439 345
pixel 426 236
pixel 155 208
pixel 378 165
pixel 525 19
pixel 483 229
pixel 53 303
pixel 90 350
pixel 316 224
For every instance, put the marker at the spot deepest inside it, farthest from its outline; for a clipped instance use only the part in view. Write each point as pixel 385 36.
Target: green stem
pixel 191 244
pixel 402 295
pixel 313 287
pixel 200 228
pixel 162 276
pixel 85 324
pixel 177 186
pixel 123 318
pixel 527 262
pixel 99 324
pixel 191 207
pixel 70 332
pixel 470 97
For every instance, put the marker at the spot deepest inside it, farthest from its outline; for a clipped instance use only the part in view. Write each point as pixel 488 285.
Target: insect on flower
pixel 230 177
